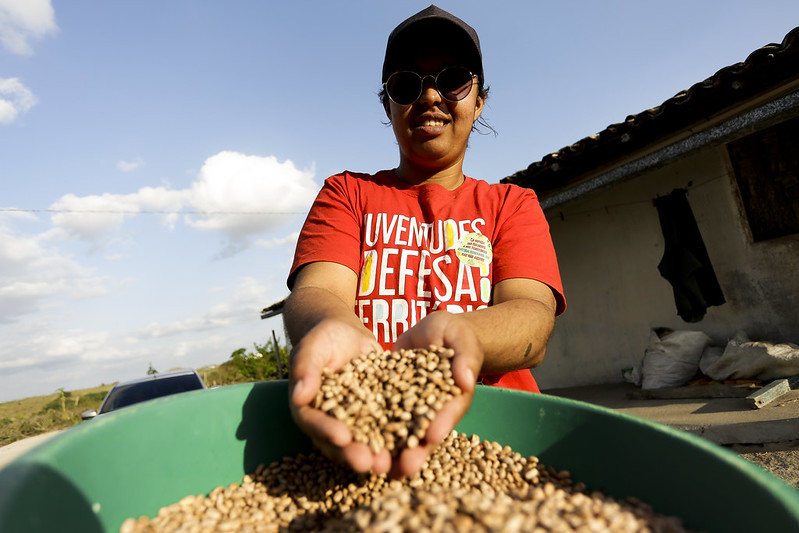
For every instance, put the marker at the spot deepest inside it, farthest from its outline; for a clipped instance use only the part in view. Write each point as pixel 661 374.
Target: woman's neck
pixel 450 178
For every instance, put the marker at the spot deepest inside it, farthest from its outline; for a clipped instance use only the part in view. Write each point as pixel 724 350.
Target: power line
pixel 148 212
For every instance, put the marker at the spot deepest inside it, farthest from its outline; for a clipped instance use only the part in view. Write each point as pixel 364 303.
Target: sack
pixel 632 374
pixel 710 357
pixel 672 358
pixel 747 359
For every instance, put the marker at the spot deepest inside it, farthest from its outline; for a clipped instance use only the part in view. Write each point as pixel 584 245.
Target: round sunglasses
pixel 452 83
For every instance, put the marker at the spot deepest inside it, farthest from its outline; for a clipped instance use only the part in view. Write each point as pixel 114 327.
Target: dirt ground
pixel 781 458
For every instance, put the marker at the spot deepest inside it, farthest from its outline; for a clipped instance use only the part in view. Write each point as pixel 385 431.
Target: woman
pixel 421 254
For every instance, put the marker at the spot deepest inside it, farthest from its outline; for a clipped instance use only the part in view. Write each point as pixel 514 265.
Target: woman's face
pixel 433 132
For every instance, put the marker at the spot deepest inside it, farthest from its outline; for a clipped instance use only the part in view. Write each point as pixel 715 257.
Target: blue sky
pixel 157 158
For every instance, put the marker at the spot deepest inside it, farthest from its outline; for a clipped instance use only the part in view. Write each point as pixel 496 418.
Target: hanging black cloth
pixel 685 263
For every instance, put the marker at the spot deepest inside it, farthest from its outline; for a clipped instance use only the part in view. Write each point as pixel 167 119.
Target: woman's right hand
pixel 330 344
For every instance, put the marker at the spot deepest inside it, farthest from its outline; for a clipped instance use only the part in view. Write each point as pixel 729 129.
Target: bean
pixel 466 484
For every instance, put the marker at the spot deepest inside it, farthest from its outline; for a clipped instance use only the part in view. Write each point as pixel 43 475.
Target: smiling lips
pixel 428 121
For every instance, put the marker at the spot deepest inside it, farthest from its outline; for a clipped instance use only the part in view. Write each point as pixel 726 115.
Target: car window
pixel 125 395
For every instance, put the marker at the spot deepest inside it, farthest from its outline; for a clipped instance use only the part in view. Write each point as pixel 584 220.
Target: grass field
pixel 25 418
pixel 20 419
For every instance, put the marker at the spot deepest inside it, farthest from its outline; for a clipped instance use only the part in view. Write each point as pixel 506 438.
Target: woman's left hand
pixel 445 330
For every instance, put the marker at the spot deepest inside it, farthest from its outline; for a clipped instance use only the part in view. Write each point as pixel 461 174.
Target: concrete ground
pixel 723 420
pixel 11 451
pixel 768 436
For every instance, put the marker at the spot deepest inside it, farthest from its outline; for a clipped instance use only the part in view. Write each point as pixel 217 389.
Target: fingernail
pixel 470 375
pixel 297 390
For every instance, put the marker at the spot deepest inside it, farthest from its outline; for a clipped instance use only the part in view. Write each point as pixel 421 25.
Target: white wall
pixel 609 244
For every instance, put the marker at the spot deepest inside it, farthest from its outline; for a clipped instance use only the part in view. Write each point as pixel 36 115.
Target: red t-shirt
pixel 418 249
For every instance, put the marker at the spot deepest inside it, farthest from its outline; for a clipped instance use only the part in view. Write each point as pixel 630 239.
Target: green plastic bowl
pixel 139 459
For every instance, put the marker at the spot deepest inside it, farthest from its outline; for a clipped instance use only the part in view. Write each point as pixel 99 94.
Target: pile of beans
pixel 387 399
pixel 466 484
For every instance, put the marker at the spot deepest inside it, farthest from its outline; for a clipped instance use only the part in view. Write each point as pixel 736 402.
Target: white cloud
pixel 258 187
pixel 237 195
pixel 130 166
pixel 15 99
pixel 290 239
pixel 88 217
pixel 24 20
pixel 17 363
pixel 219 343
pixel 247 300
pixel 51 348
pixel 45 346
pixel 40 354
pixel 33 274
pixel 83 345
pixel 211 320
pixel 91 218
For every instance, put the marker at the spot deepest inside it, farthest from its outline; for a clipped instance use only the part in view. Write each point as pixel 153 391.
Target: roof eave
pixel 770 71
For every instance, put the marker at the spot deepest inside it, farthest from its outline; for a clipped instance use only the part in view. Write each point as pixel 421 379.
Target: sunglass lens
pixel 455 83
pixel 404 87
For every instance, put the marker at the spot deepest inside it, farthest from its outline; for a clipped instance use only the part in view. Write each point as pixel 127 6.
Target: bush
pixel 243 366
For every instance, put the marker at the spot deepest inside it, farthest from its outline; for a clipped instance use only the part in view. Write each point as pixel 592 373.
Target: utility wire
pixel 148 212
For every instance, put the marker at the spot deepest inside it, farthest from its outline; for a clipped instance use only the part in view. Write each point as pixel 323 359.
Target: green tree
pixel 261 363
pixel 62 397
pixel 151 370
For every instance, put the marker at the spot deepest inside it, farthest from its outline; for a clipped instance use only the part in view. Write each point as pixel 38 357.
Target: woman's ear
pixel 479 104
pixel 387 108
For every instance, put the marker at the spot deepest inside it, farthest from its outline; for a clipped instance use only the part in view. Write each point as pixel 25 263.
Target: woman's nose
pixel 430 93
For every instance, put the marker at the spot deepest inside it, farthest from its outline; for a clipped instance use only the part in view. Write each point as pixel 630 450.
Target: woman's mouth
pixel 430 124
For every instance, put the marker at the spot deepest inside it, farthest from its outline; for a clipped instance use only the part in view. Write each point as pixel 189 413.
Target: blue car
pixel 147 388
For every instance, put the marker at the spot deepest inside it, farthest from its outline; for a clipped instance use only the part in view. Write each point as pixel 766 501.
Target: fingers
pixel 334 439
pixel 304 391
pixel 322 427
pixel 445 421
pixel 330 345
pixel 464 373
pixel 410 461
pixel 381 462
pixel 448 330
pixel 305 377
pixel 356 455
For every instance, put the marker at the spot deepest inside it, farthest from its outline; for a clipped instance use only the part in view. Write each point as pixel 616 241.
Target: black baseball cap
pixel 430 24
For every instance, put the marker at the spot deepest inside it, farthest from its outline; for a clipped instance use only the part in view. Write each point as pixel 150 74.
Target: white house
pixel 715 168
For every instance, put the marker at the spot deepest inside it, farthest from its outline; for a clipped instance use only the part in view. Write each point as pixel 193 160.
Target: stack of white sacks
pixel 672 358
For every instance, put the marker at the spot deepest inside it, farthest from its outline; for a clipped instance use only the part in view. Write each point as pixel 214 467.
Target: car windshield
pixel 125 395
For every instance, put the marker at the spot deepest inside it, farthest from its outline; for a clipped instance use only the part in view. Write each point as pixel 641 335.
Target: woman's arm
pixel 325 332
pixel 509 335
pixel 514 331
pixel 321 291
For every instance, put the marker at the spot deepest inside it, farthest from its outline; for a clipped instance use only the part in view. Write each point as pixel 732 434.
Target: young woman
pixel 421 254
